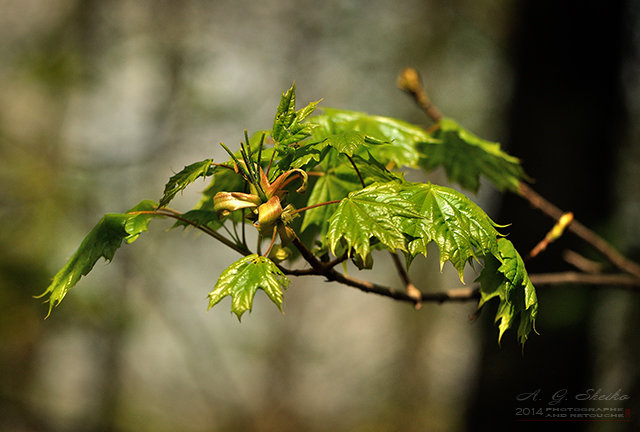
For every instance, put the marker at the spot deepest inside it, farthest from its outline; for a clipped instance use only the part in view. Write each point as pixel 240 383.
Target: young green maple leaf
pixel 337 180
pixel 243 278
pixel 288 125
pixel 184 178
pixel 460 228
pixel 466 157
pixel 334 184
pixel 101 242
pixel 394 139
pixel 504 276
pixel 363 215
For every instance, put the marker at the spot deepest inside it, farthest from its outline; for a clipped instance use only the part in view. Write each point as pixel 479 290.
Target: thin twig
pixel 600 244
pixel 411 289
pixel 178 216
pixel 613 280
pixel 582 263
pixel 273 241
pixel 410 81
pixel 337 261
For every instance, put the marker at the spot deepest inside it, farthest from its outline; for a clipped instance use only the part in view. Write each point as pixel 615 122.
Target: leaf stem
pixel 260 149
pixel 290 179
pixel 178 216
pixel 300 210
pixel 270 162
pixel 273 241
pixel 357 171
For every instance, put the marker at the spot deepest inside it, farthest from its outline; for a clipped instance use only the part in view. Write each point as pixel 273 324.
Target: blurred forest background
pixel 101 101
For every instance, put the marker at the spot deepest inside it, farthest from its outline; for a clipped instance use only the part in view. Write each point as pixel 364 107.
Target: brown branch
pixel 410 81
pixel 411 289
pixel 600 244
pixel 337 261
pixel 615 280
pixel 582 263
pixel 462 294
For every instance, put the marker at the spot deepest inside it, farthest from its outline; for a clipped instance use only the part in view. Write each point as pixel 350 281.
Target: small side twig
pixel 554 234
pixel 412 291
pixel 600 244
pixel 582 263
pixel 409 80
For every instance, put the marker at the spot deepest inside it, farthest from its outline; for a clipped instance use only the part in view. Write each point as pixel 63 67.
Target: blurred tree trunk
pixel 566 124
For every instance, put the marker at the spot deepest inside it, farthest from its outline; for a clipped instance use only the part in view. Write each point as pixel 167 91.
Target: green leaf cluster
pixel 288 124
pixel 342 171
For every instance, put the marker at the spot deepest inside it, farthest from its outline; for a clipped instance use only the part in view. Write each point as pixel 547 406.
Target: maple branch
pixel 411 289
pixel 600 244
pixel 461 294
pixel 582 263
pixel 409 81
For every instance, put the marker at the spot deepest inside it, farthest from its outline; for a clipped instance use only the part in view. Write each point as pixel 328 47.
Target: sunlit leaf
pixel 466 157
pixel 184 178
pixel 243 278
pixel 396 139
pixel 288 125
pixel 460 228
pixel 370 213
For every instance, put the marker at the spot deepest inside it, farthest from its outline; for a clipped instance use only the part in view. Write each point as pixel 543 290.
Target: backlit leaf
pixel 466 157
pixel 184 178
pixel 243 278
pixel 288 125
pixel 367 214
pixel 460 228
pixel 504 276
pixel 334 184
pixel 396 139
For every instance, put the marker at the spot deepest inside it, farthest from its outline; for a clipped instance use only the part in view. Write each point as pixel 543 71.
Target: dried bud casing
pixel 226 202
pixel 268 214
